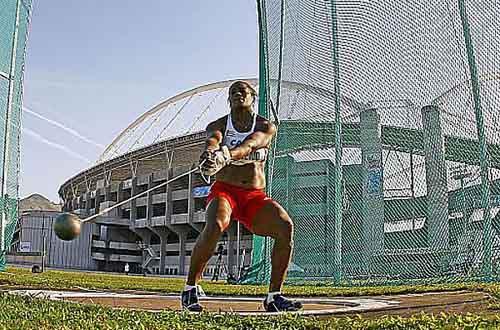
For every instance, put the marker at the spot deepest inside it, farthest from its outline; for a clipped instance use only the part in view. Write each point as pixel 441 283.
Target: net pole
pixel 338 150
pixel 262 61
pixel 483 152
pixel 280 64
pixel 260 244
pixel 238 248
pixel 6 142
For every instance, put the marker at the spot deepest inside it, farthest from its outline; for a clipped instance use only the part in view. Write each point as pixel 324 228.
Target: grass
pixel 31 313
pixel 68 280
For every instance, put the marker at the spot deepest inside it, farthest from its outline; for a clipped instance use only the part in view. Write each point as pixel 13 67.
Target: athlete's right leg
pixel 218 218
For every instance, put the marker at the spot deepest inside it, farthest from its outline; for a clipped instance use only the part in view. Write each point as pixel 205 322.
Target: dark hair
pixel 247 85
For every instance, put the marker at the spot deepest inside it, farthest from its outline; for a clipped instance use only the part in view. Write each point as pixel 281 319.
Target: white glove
pixel 213 162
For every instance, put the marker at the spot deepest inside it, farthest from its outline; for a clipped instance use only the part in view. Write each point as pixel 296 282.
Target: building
pixel 35 243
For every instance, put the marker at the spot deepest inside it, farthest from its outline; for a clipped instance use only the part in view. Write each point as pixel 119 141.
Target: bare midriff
pixel 248 176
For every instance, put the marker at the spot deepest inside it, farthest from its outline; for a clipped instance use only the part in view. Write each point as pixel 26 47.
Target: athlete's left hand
pixel 215 161
pixel 222 157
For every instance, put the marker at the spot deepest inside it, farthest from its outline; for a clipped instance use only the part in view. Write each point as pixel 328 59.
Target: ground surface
pixel 173 304
pixel 85 300
pixel 459 302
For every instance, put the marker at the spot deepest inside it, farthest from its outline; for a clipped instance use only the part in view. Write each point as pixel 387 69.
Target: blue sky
pixel 95 66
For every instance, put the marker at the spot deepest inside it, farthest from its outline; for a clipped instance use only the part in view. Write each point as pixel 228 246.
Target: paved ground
pixel 458 302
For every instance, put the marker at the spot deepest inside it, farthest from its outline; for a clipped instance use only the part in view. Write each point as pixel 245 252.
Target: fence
pixel 387 156
pixel 14 23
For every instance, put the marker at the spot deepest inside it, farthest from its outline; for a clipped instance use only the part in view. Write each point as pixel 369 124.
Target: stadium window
pixel 126 194
pixel 180 206
pixel 126 214
pixel 159 210
pixel 181 183
pixel 162 189
pixel 199 204
pixel 141 212
pixel 142 188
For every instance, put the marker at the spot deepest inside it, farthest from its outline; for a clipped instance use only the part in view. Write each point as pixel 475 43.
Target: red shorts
pixel 245 203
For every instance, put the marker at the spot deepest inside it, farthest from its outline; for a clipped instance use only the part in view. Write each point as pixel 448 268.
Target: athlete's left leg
pixel 272 220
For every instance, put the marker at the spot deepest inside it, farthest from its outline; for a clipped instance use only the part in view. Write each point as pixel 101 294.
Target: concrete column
pixel 190 197
pixel 133 203
pixel 87 202
pixel 104 235
pixel 163 253
pixel 168 200
pixel 149 206
pixel 182 252
pixel 231 245
pixel 373 189
pixel 119 198
pixel 107 193
pixel 97 200
pixel 197 226
pixel 436 178
pixel 162 233
pixel 146 240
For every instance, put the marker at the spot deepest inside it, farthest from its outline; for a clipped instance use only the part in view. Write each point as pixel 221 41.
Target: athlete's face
pixel 240 96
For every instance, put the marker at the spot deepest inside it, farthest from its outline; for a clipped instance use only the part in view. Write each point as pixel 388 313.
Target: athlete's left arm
pixel 261 138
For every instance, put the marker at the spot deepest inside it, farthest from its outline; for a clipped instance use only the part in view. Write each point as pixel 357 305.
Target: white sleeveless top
pixel 233 138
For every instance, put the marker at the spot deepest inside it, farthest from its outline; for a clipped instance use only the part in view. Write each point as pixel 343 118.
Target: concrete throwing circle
pixel 245 306
pixel 460 302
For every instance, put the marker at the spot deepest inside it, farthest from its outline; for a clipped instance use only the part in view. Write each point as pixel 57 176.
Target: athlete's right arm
pixel 208 162
pixel 214 136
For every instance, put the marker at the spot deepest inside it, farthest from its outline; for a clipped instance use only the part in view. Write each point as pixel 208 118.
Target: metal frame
pixel 7 128
pixel 484 158
pixel 337 253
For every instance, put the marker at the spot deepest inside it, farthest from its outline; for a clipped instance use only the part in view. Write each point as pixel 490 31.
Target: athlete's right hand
pixel 206 156
pixel 207 163
pixel 213 161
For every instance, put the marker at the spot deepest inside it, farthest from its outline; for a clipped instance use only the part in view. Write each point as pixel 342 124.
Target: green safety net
pixel 387 156
pixel 14 24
